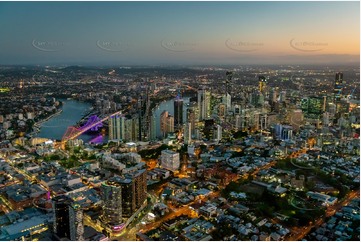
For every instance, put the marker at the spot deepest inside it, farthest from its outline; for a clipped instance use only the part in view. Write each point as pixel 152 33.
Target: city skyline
pixel 179 33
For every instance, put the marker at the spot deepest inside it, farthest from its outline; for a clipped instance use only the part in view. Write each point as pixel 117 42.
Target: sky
pixel 179 33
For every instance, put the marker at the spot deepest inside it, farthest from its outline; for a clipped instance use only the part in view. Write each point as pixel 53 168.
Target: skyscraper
pixel 111 193
pixel 227 101
pixel 262 83
pixel 152 128
pixel 61 224
pixel 192 116
pixel 178 111
pixel 166 123
pixel 218 133
pixel 115 127
pixel 187 133
pixel 139 179
pixel 128 196
pixel 338 86
pixel 204 104
pixel 68 219
pixel 76 222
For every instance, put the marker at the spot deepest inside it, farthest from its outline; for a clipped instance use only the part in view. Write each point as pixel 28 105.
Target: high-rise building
pixel 227 101
pixel 139 178
pixel 284 132
pixel 338 86
pixel 61 225
pixel 130 128
pixel 262 83
pixel 166 123
pixel 178 111
pixel 204 104
pixel 76 222
pixel 153 129
pixel 218 133
pixel 111 193
pixel 187 133
pixel 115 127
pixel 68 219
pixel 287 132
pixel 128 197
pixel 191 118
pixel 170 160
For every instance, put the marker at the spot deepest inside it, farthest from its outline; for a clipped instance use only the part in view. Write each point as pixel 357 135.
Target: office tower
pixel 204 104
pixel 76 222
pixel 287 132
pixel 152 128
pixel 262 83
pixel 229 76
pixel 284 132
pixel 115 127
pixel 61 224
pixel 163 123
pixel 227 101
pixel 178 111
pixel 188 133
pixel 338 86
pixel 170 160
pixel 166 123
pixel 191 117
pixel 257 99
pixel 263 121
pixel 111 193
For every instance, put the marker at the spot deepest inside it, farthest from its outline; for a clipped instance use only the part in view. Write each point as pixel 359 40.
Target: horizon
pixel 197 33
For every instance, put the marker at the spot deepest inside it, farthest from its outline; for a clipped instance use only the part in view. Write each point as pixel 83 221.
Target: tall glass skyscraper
pixel 178 111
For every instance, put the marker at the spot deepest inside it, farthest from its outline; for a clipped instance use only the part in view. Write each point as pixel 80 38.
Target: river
pixel 72 112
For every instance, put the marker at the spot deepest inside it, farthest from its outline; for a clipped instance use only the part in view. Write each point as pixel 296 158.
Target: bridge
pixel 93 123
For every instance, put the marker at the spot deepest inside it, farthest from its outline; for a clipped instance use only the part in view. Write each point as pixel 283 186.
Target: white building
pixel 170 160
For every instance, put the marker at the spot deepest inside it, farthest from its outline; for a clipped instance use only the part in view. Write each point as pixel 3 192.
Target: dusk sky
pixel 146 33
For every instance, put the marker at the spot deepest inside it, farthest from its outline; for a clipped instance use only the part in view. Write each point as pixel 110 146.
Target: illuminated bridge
pixel 93 123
